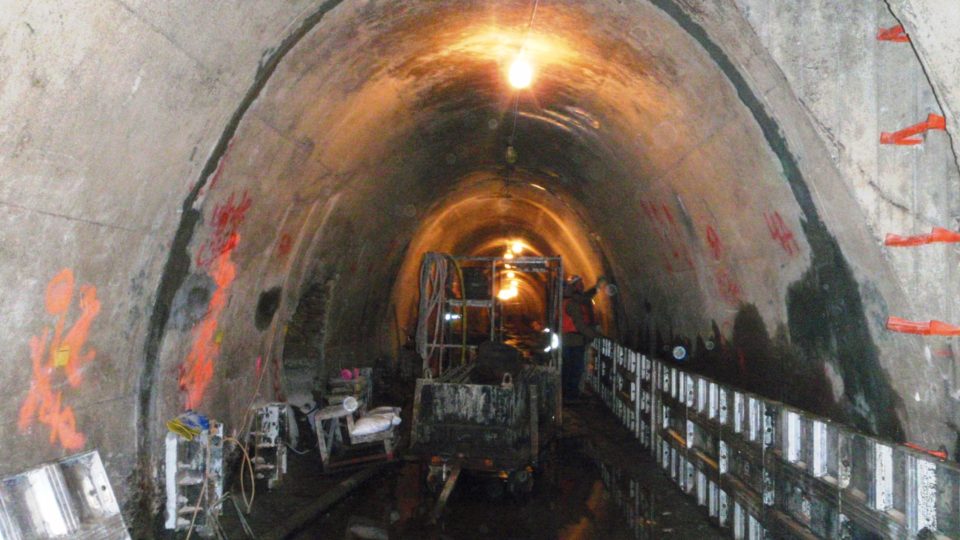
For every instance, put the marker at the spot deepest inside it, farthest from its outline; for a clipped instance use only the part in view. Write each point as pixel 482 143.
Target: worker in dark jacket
pixel 579 328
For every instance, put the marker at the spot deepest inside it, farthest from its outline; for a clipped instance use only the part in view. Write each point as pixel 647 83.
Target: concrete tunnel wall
pixel 167 168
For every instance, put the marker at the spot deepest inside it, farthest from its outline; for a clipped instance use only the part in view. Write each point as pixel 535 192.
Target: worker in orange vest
pixel 579 328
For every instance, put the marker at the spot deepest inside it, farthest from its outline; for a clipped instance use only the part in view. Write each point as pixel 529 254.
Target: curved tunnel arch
pixel 654 134
pixel 659 141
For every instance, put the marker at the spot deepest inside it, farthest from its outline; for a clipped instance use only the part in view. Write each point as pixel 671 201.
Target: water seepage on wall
pixel 174 177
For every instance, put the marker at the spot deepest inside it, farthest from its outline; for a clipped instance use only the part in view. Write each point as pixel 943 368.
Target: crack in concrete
pixel 72 218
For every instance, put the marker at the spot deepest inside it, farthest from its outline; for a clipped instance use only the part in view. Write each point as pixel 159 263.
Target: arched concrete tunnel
pixel 178 178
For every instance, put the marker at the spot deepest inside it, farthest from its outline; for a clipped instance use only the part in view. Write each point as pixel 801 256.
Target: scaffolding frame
pixel 436 344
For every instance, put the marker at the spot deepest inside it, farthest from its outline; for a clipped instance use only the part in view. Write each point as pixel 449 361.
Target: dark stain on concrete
pixel 191 301
pixel 825 311
pixel 827 320
pixel 142 508
pixel 267 306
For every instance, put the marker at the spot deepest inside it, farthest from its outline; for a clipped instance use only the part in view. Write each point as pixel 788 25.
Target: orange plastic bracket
pixel 938 234
pixel 910 136
pixel 939 454
pixel 894 33
pixel 929 328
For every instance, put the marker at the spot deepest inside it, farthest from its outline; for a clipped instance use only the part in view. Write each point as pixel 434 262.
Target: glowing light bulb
pixel 517 247
pixel 508 255
pixel 511 291
pixel 511 274
pixel 521 73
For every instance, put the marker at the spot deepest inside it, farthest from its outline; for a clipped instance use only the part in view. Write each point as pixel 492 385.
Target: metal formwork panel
pixel 748 460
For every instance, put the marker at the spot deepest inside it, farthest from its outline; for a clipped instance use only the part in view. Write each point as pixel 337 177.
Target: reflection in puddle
pixel 628 495
pixel 596 483
pixel 576 495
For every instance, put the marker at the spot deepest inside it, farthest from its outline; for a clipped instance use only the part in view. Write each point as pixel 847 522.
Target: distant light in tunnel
pixel 510 291
pixel 517 247
pixel 511 274
pixel 508 255
pixel 520 75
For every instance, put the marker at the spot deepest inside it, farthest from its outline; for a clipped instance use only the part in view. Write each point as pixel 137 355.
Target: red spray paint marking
pixel 938 234
pixel 669 215
pixel 894 33
pixel 728 287
pixel 911 135
pixel 221 165
pixel 664 224
pixel 716 246
pixel 227 218
pixel 929 328
pixel 285 245
pixel 66 351
pixel 780 232
pixel 277 390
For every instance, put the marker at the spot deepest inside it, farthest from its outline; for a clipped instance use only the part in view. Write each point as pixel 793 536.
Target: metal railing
pixel 763 469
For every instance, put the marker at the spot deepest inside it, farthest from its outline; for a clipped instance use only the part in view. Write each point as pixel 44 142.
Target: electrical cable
pixel 516 98
pixel 249 464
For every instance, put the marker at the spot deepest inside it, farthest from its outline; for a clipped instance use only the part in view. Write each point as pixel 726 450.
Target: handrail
pixel 760 466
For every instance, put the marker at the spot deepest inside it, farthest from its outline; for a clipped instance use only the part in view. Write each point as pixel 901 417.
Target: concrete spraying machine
pixel 488 401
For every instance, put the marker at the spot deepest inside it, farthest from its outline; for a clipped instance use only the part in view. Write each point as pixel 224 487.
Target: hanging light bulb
pixel 520 74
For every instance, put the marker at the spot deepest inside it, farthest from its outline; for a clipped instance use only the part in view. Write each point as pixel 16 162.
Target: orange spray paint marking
pixel 938 234
pixel 910 136
pixel 929 328
pixel 895 33
pixel 780 232
pixel 64 350
pixel 196 372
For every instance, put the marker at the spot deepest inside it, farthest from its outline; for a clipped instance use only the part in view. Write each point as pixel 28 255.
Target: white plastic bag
pixel 372 423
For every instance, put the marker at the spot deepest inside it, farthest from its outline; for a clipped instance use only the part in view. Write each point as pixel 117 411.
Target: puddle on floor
pixel 579 494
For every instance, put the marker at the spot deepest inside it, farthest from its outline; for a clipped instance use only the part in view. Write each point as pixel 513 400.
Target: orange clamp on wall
pixel 939 454
pixel 909 136
pixel 894 33
pixel 929 328
pixel 938 234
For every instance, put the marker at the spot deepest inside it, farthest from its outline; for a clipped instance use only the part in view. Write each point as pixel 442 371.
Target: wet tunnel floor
pixel 598 483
